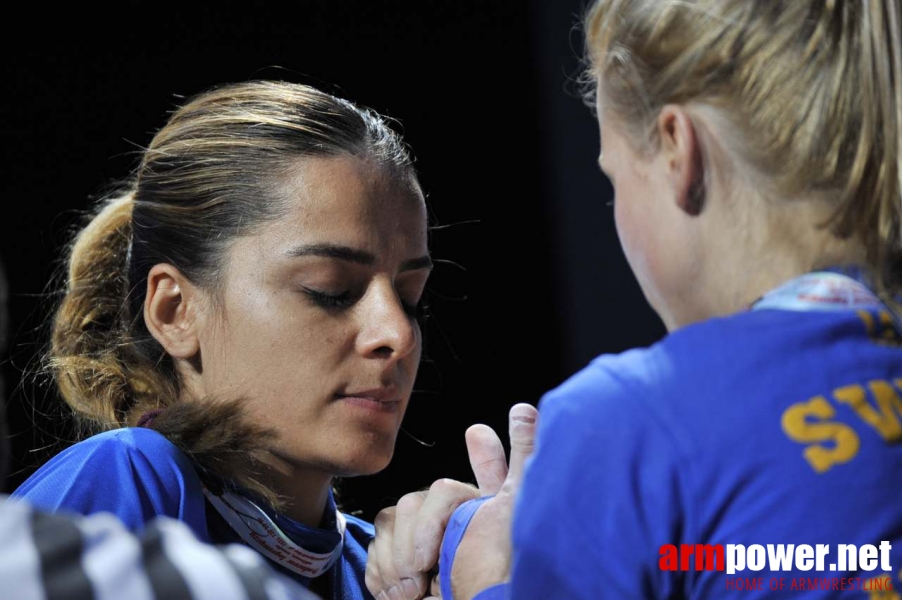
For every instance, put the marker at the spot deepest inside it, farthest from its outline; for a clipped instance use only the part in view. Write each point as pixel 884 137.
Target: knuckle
pixel 453 492
pixel 443 485
pixel 410 503
pixel 385 518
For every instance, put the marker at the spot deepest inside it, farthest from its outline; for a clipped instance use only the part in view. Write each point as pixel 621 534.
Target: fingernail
pixel 523 413
pixel 411 589
pixel 383 595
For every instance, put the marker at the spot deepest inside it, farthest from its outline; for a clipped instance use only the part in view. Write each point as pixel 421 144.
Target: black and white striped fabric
pixel 60 557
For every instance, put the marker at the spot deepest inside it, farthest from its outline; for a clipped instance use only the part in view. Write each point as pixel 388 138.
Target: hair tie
pixel 148 417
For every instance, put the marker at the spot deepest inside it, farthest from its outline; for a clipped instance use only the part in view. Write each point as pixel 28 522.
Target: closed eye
pixel 330 301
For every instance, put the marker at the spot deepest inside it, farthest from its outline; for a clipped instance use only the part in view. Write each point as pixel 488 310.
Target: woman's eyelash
pixel 330 301
pixel 346 300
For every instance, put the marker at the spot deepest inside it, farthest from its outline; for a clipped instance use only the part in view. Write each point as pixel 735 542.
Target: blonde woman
pixel 754 149
pixel 240 324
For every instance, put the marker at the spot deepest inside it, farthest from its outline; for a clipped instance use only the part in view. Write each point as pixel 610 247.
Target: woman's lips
pixel 371 402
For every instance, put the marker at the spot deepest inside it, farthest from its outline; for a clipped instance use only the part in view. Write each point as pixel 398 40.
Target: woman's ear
pixel 170 311
pixel 682 152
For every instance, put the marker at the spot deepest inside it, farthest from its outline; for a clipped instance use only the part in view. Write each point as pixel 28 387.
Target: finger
pixel 522 421
pixel 403 554
pixel 371 575
pixel 487 458
pixel 372 578
pixel 445 495
pixel 380 552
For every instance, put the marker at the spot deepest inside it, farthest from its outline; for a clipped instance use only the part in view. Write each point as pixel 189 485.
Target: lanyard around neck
pixel 259 531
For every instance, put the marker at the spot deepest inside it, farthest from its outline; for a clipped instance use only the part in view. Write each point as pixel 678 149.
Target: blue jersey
pixel 763 428
pixel 137 474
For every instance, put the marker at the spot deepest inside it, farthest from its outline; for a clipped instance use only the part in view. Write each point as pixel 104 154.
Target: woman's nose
pixel 387 330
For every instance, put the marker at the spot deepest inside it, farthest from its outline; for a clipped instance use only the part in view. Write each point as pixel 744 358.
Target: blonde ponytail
pixel 810 91
pixel 886 53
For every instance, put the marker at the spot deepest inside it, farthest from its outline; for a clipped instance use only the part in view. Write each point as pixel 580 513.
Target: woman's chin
pixel 341 454
pixel 364 465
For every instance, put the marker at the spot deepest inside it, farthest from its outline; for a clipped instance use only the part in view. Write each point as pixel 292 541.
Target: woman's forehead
pixel 345 184
pixel 349 202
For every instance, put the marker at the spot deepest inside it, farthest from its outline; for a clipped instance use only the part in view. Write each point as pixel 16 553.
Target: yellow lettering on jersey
pixel 884 419
pixel 880 327
pixel 888 333
pixel 868 321
pixel 797 427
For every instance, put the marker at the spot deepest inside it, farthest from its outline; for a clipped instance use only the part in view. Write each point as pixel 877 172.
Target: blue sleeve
pixel 136 474
pixel 454 534
pixel 600 496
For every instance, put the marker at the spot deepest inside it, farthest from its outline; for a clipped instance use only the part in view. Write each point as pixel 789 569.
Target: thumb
pixel 487 458
pixel 522 421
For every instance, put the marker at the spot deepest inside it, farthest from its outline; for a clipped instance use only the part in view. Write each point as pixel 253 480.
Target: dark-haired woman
pixel 240 325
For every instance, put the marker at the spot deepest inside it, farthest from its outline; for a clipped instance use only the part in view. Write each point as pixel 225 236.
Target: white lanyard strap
pixel 820 291
pixel 825 291
pixel 260 532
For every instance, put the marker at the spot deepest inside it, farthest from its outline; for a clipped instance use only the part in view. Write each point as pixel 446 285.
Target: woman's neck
pixel 304 491
pixel 747 257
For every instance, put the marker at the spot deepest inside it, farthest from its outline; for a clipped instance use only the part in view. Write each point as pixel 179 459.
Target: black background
pixel 505 149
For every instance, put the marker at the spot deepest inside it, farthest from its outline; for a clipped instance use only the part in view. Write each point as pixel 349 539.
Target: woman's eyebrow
pixel 354 255
pixel 347 253
pixel 423 262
